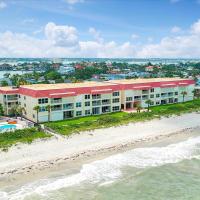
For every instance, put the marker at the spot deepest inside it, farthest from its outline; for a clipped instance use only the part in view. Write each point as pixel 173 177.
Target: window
pixel 152 96
pixel 33 116
pixel 24 98
pixel 129 98
pixel 96 103
pixel 176 93
pixel 56 100
pixel 152 90
pixel 96 96
pixel 115 94
pixel 116 100
pixel 24 105
pixel 87 103
pixel 42 109
pixel 41 101
pixel 152 103
pixel 68 106
pixel 78 104
pixel 157 102
pixel 78 113
pixel 145 91
pixel 157 95
pixel 144 97
pixel 137 97
pixel 56 107
pixel 115 108
pixel 87 112
pixel 96 111
pixel 87 96
pixel 105 101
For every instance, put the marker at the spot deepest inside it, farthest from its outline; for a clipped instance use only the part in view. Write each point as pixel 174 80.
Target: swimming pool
pixel 6 127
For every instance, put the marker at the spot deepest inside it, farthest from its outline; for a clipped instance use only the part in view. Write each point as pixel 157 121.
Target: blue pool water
pixel 7 126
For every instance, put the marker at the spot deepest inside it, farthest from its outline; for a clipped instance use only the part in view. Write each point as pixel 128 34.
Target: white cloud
pixel 176 46
pixel 28 21
pixel 63 41
pixel 195 28
pixel 74 1
pixel 2 5
pixel 134 36
pixel 96 34
pixel 175 29
pixel 60 41
pixel 150 39
pixel 61 35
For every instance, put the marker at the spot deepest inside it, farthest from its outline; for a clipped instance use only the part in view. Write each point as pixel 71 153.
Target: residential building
pixel 68 100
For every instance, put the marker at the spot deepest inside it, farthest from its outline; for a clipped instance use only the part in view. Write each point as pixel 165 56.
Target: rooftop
pixel 66 85
pixel 144 80
pixel 8 88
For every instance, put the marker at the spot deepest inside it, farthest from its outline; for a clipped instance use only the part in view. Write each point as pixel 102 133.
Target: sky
pixel 100 28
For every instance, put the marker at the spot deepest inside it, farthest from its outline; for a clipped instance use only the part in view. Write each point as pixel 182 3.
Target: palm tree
pixel 13 111
pixel 37 108
pixel 20 111
pixel 148 102
pixel 196 93
pixel 48 108
pixel 138 107
pixel 184 93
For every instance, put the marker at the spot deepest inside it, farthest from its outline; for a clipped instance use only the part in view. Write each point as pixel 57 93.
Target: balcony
pixel 12 99
pixel 145 97
pixel 56 108
pixel 96 96
pixel 105 102
pixel 56 100
pixel 96 103
pixel 68 106
pixel 145 91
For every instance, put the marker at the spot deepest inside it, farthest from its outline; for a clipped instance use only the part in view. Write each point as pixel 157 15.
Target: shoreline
pixel 25 159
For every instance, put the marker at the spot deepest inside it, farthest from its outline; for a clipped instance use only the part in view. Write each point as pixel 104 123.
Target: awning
pixel 144 87
pixel 60 95
pixel 102 91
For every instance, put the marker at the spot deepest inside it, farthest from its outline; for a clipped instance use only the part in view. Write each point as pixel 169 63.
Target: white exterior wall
pixel 132 93
pixel 30 102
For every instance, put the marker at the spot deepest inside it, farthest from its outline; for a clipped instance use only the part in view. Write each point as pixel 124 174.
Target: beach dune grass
pixel 28 135
pixel 70 126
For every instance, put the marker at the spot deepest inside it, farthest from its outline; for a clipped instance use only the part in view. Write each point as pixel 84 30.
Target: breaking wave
pixel 109 169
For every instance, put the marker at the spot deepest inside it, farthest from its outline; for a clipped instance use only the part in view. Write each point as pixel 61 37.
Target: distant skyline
pixel 100 28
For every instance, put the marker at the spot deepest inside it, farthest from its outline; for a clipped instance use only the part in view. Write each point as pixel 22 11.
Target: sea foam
pixel 109 169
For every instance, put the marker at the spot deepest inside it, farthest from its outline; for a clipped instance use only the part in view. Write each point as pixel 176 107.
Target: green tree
pixel 37 108
pixel 48 108
pixel 148 102
pixel 4 83
pixel 14 111
pixel 20 111
pixel 138 107
pixel 183 93
pixel 1 110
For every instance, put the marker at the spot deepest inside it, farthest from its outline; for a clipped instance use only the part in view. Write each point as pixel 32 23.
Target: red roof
pixel 79 66
pixel 101 89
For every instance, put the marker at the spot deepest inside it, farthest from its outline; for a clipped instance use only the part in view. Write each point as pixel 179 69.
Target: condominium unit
pixel 68 100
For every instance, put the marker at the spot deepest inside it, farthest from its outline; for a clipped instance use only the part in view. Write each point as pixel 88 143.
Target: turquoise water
pixel 168 172
pixel 7 126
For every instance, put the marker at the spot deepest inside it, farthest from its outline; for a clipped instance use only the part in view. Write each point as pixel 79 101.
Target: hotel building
pixel 68 100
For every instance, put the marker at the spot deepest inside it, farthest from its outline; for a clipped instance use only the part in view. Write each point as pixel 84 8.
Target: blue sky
pixel 99 28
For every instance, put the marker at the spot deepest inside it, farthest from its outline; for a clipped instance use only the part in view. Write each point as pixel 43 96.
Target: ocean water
pixel 163 172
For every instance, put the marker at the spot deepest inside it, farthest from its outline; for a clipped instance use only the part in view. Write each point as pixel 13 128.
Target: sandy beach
pixel 25 158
